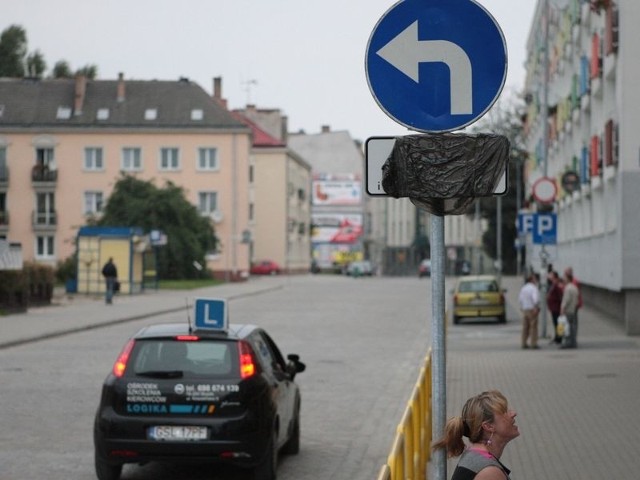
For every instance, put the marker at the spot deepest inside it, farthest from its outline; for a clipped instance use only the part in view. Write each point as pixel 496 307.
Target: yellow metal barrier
pixel 411 447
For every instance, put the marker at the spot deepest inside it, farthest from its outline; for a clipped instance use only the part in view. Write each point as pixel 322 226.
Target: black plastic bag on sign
pixel 444 173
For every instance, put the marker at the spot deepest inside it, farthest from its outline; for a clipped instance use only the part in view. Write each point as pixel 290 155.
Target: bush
pixel 67 269
pixel 14 288
pixel 40 283
pixel 33 285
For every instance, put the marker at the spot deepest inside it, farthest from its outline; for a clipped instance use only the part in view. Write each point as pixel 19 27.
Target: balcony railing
pixel 42 173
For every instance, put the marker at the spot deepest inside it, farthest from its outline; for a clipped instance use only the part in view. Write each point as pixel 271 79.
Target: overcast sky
pixel 304 57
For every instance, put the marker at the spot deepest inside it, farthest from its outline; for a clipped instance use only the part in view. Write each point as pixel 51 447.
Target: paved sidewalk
pixel 577 409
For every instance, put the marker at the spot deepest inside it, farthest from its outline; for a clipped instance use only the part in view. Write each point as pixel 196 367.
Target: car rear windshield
pixel 478 286
pixel 218 359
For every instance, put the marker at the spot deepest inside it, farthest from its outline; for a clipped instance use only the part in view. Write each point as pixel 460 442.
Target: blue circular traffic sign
pixel 436 65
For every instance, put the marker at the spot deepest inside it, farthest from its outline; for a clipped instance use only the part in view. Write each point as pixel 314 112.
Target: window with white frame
pixel 93 158
pixel 207 158
pixel 93 202
pixel 45 246
pixel 207 202
pixel 169 158
pixel 45 213
pixel 131 159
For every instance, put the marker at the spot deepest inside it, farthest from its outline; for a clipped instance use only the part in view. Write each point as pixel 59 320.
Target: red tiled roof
pixel 260 137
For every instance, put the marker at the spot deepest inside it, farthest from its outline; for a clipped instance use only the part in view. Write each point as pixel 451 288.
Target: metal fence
pixel 411 447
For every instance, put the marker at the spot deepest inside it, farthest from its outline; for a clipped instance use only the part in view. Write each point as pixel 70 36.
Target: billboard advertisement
pixel 336 239
pixel 336 228
pixel 337 192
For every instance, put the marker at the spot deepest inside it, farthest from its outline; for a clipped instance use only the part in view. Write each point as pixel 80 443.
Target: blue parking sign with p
pixel 211 314
pixel 545 229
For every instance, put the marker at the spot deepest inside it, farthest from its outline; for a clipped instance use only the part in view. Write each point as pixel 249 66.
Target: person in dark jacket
pixel 489 424
pixel 554 299
pixel 110 274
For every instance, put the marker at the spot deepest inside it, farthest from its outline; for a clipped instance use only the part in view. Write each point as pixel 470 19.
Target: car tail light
pixel 502 299
pixel 455 299
pixel 121 363
pixel 247 360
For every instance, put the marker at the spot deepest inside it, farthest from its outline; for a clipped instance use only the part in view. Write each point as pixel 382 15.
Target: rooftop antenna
pixel 188 315
pixel 247 88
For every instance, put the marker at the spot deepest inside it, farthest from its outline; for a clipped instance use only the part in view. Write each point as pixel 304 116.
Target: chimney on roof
pixel 81 89
pixel 325 129
pixel 217 91
pixel 120 87
pixel 217 88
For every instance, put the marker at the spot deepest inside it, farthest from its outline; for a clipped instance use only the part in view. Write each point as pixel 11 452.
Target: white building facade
pixel 593 116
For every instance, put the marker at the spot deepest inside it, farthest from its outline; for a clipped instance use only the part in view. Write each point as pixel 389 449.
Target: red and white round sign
pixel 545 190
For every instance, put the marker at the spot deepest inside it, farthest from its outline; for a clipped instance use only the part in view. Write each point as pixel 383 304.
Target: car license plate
pixel 479 301
pixel 177 433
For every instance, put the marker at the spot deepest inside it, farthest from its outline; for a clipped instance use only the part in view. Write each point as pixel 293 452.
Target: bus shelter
pixel 130 249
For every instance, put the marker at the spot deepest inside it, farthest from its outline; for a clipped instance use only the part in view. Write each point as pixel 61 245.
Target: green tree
pixel 61 70
pixel 13 50
pixel 137 203
pixel 36 65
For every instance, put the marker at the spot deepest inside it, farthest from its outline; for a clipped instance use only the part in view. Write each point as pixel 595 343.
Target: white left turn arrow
pixel 405 52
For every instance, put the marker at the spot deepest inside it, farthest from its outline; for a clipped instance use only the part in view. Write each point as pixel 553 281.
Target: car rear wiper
pixel 162 373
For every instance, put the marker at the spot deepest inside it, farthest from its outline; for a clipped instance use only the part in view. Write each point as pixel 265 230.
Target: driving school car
pixel 200 396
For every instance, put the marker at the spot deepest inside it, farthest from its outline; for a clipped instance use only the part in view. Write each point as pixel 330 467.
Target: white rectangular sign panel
pixel 378 149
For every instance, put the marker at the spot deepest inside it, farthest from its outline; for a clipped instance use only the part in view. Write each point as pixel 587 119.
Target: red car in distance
pixel 265 267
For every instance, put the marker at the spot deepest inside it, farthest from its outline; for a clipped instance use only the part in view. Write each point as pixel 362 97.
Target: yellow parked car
pixel 479 296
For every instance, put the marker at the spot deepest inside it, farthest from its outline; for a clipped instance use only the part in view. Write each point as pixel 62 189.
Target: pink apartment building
pixel 64 142
pixel 279 194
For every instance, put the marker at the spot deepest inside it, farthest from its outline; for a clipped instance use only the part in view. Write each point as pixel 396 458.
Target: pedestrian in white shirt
pixel 529 299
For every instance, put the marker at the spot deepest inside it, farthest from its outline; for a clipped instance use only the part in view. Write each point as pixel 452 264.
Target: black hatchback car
pixel 176 395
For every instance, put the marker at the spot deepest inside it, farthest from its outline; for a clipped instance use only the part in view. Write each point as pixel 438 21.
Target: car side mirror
pixel 295 365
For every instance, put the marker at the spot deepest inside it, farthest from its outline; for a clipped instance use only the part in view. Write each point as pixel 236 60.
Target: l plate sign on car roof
pixel 211 314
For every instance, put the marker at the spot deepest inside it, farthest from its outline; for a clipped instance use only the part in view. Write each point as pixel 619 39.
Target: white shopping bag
pixel 563 326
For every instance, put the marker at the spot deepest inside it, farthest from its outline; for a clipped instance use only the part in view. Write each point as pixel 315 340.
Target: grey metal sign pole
pixel 438 356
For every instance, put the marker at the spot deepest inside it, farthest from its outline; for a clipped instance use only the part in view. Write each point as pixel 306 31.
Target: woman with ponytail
pixel 489 425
